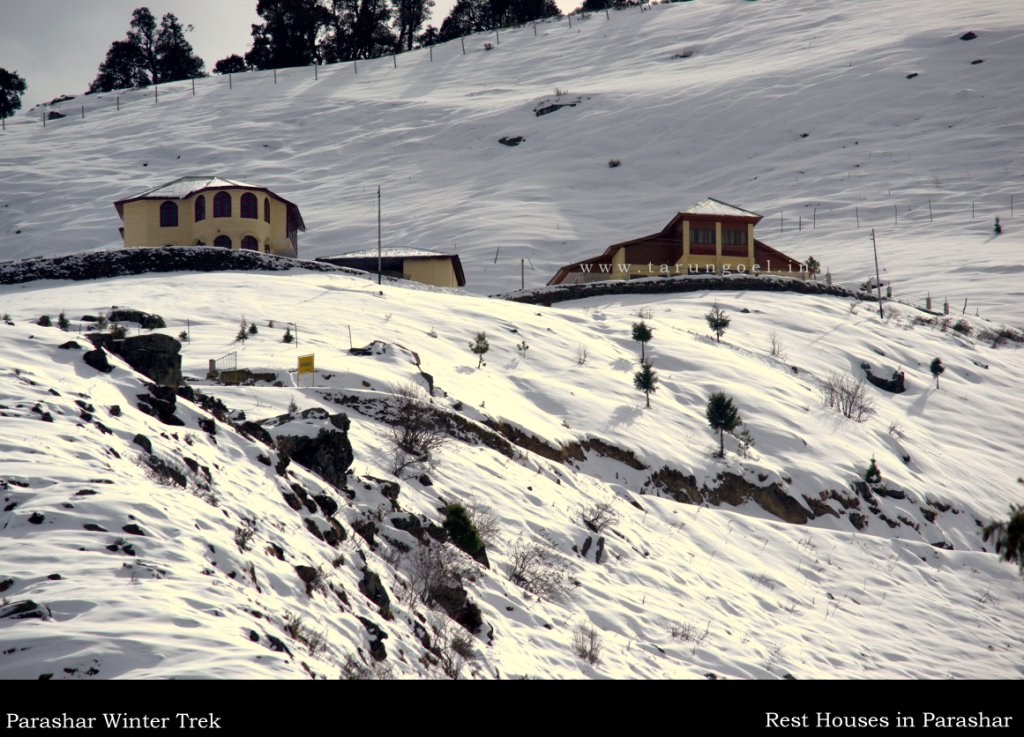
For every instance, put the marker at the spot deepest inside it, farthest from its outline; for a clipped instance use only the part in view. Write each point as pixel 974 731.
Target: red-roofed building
pixel 712 237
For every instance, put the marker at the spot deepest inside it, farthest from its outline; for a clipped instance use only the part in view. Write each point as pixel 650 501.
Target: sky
pixel 58 45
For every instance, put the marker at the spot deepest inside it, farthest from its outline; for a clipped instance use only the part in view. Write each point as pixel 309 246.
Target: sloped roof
pixel 184 187
pixel 711 206
pixel 393 253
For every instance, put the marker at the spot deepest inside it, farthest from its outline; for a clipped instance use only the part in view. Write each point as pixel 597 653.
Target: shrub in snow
pixel 586 643
pixel 613 163
pixel 243 331
pixel 522 348
pixel 62 321
pixel 538 569
pixel 288 337
pixel 415 430
pixel 44 321
pixel 598 516
pixel 847 396
pixel 1009 537
pixel 461 531
pixel 873 475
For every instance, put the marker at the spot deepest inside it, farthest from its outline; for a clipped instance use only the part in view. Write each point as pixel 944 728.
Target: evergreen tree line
pixel 303 32
pixel 151 53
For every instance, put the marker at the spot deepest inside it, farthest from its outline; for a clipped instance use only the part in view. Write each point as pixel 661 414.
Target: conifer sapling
pixel 722 416
pixel 937 370
pixel 642 335
pixel 646 380
pixel 480 346
pixel 718 321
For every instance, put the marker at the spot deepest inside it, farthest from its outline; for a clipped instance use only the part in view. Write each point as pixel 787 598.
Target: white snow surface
pixel 906 590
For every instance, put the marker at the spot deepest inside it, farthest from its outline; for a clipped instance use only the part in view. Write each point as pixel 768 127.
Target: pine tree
pixel 937 370
pixel 410 17
pixel 143 34
pixel 646 380
pixel 642 335
pixel 289 34
pixel 1009 537
pixel 722 416
pixel 813 267
pixel 12 87
pixel 150 54
pixel 174 55
pixel 480 346
pixel 123 68
pixel 718 321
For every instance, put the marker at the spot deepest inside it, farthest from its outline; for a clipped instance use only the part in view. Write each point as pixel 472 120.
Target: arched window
pixel 222 241
pixel 250 208
pixel 222 205
pixel 250 244
pixel 200 208
pixel 266 209
pixel 169 215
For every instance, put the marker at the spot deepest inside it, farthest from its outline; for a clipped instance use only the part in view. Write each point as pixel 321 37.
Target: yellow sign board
pixel 306 364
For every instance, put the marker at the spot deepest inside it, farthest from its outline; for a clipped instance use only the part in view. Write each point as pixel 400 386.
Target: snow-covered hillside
pixel 130 547
pixel 866 586
pixel 803 112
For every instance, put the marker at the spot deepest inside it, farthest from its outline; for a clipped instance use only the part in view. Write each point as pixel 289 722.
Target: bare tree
pixel 538 569
pixel 415 430
pixel 598 516
pixel 847 396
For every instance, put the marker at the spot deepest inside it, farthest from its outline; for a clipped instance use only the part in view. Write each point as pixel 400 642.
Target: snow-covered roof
pixel 711 206
pixel 391 253
pixel 183 187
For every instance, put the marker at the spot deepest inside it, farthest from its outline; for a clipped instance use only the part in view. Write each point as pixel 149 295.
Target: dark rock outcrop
pixel 143 319
pixel 155 355
pixel 328 454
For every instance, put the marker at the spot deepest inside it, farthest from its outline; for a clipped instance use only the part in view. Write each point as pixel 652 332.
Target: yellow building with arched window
pixel 210 211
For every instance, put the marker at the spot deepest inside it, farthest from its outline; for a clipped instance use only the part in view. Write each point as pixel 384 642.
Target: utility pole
pixel 878 278
pixel 379 259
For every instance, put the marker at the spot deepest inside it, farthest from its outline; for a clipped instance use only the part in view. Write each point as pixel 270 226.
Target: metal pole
pixel 83 112
pixel 355 63
pixel 522 273
pixel 570 20
pixel 275 76
pixel 230 85
pixel 119 103
pixel 394 58
pixel 156 93
pixel 463 40
pixel 780 221
pixel 972 209
pixel 814 219
pixel 535 28
pixel 497 37
pixel 930 218
pixel 856 211
pixel 193 87
pixel 878 277
pixel 379 258
pixel 431 49
pixel 800 223
pixel 316 72
pixel 895 216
